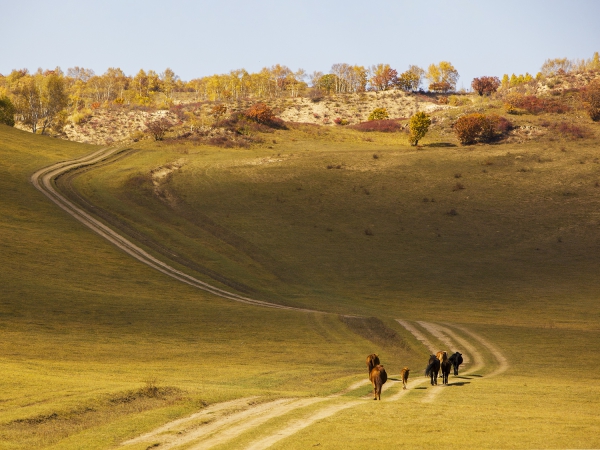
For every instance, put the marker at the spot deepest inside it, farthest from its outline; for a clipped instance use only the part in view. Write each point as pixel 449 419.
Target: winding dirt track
pixel 221 423
pixel 43 180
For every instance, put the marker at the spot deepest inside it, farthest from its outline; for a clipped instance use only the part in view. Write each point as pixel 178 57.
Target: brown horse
pixel 442 356
pixel 404 376
pixel 378 377
pixel 372 361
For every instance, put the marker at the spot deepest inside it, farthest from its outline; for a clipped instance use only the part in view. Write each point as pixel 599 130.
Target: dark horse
pixel 432 369
pixel 445 366
pixel 456 360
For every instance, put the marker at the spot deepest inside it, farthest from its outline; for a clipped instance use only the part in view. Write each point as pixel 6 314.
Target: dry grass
pixel 277 222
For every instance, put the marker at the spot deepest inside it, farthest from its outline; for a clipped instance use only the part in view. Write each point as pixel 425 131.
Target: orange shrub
pixel 260 112
pixel 476 127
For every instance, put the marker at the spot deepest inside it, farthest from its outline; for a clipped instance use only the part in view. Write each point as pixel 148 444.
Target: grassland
pixel 86 331
pixel 327 220
pixel 335 220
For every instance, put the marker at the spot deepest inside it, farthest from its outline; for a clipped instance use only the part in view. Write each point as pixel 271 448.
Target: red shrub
pixel 477 127
pixel 537 105
pixel 567 130
pixel 442 86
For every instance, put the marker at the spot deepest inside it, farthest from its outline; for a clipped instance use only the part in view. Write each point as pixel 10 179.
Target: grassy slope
pixel 84 327
pixel 519 261
pixel 524 240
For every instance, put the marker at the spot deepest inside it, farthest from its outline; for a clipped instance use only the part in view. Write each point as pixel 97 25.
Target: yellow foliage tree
pixel 442 75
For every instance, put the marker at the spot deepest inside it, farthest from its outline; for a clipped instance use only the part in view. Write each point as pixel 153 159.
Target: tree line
pixel 48 98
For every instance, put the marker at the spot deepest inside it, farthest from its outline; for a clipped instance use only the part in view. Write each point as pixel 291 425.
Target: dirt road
pixel 43 180
pixel 227 423
pixel 246 425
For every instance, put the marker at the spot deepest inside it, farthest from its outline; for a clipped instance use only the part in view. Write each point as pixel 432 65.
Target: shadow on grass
pixel 460 383
pixel 440 144
pixel 419 388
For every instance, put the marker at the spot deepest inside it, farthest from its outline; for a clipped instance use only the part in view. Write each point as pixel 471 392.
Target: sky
pixel 200 38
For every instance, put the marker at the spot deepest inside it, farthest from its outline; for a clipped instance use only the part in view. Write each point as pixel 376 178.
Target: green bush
pixel 418 126
pixel 379 114
pixel 7 112
pixel 458 100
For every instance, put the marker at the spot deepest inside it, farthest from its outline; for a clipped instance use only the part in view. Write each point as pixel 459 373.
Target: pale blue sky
pixel 198 38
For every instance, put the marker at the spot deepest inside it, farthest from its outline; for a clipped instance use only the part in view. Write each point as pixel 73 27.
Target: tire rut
pixel 233 422
pixel 44 180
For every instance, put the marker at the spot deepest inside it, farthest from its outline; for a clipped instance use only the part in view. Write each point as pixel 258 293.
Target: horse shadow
pixel 440 144
pixel 459 383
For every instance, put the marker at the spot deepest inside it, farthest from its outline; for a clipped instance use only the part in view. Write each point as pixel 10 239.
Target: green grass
pixel 524 239
pixel 85 326
pixel 547 399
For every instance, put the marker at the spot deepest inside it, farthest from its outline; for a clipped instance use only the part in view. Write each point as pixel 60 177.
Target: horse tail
pixel 428 369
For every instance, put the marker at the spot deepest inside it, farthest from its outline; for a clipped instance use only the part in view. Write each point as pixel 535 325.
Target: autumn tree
pixel 327 83
pixel 485 85
pixel 594 62
pixel 349 78
pixel 168 82
pixel 418 127
pixel 442 77
pixel 411 79
pixel 53 97
pixel 39 98
pixel 553 66
pixel 294 82
pixel 109 86
pixel 383 77
pixel 143 84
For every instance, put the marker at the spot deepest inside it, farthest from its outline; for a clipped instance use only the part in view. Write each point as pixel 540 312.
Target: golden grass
pixel 379 234
pixel 83 323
